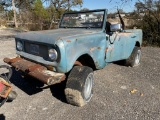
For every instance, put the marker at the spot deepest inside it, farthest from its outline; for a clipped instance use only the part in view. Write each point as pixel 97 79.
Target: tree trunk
pixel 50 27
pixel 53 19
pixel 41 23
pixel 20 17
pixel 14 11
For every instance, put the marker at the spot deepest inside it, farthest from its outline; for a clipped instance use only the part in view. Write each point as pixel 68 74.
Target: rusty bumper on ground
pixel 36 70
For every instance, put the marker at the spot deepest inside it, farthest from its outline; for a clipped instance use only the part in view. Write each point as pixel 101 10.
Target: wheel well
pixel 137 44
pixel 85 60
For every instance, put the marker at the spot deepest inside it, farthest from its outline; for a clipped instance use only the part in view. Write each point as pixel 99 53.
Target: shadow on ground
pixel 58 91
pixel 2 117
pixel 27 84
pixel 32 86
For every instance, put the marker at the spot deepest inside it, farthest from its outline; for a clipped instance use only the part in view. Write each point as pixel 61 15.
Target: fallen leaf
pixel 133 91
pixel 142 94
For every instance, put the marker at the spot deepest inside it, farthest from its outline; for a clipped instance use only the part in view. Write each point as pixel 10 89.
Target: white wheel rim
pixel 88 86
pixel 138 57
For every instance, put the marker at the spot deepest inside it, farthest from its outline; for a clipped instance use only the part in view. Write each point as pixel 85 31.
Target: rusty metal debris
pixel 68 41
pixel 36 70
pixel 5 88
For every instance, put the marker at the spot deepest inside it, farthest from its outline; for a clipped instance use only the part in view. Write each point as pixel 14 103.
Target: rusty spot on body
pixel 50 68
pixel 126 33
pixel 34 67
pixel 99 48
pixel 106 50
pixel 94 48
pixel 68 41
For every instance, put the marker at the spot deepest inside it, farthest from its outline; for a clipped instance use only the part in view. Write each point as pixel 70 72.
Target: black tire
pixel 79 85
pixel 6 76
pixel 135 57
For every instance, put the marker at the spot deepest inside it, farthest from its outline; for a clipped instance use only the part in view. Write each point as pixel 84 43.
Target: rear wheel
pixel 79 85
pixel 135 57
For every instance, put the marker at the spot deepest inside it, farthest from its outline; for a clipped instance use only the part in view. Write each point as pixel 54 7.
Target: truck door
pixel 117 46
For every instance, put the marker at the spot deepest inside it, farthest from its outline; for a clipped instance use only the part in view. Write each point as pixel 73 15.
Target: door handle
pixel 133 36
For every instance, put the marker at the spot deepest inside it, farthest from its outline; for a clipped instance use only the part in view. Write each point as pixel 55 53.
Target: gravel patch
pixel 120 92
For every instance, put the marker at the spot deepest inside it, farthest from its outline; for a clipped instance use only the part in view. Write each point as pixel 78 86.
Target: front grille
pixel 36 49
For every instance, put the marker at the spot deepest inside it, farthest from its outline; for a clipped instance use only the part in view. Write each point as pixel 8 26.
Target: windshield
pixel 90 19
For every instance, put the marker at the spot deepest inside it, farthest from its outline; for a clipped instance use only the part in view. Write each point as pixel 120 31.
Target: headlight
pixel 19 46
pixel 53 54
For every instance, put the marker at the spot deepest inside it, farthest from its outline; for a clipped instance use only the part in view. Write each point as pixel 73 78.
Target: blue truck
pixel 84 42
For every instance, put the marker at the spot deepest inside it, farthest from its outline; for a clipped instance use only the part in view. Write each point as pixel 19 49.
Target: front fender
pixel 62 65
pixel 94 45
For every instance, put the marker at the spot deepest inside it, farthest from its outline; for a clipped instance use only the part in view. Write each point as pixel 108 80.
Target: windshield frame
pixel 82 12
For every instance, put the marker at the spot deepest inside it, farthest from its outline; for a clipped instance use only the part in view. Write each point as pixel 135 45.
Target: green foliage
pixel 39 10
pixel 32 15
pixel 1 8
pixel 147 17
pixel 10 15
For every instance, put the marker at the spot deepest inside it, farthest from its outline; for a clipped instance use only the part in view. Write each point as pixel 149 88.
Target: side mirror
pixel 115 27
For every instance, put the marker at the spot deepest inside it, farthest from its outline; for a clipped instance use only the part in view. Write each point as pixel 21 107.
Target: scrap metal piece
pixel 5 88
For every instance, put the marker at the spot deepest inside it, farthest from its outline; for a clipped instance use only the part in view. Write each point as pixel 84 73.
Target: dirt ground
pixel 120 92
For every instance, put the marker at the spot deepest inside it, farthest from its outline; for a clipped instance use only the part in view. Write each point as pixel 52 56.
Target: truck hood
pixel 51 36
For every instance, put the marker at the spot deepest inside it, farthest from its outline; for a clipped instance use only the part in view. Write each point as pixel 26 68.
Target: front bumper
pixel 36 70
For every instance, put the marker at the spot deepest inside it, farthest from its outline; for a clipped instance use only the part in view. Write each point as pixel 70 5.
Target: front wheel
pixel 135 57
pixel 79 85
